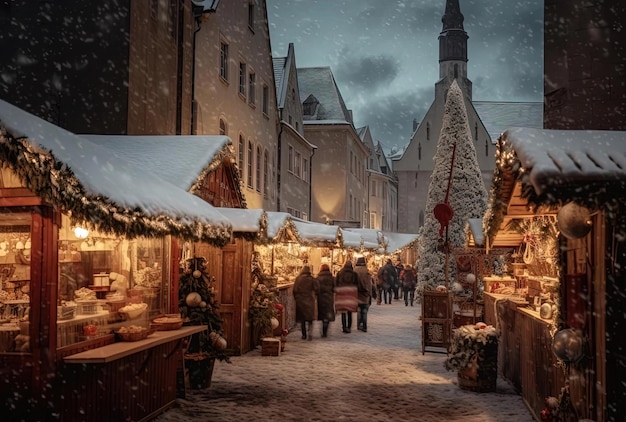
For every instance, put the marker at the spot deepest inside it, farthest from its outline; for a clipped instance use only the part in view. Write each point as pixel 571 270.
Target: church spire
pixel 453 49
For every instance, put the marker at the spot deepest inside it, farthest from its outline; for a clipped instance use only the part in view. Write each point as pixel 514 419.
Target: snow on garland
pixel 467 341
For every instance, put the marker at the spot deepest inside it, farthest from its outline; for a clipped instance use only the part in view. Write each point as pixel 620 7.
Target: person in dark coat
pixel 397 287
pixel 346 295
pixel 409 283
pixel 388 278
pixel 366 289
pixel 326 298
pixel 305 290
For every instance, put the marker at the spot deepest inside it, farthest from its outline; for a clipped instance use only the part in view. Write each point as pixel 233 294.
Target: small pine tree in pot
pixel 198 306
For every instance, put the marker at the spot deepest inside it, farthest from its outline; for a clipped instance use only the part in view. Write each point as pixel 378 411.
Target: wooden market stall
pixel 558 198
pixel 206 167
pixel 87 237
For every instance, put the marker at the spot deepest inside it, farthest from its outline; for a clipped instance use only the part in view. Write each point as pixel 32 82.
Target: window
pixel 251 16
pixel 266 170
pixel 290 119
pixel 476 131
pixel 374 188
pixel 290 210
pixel 296 165
pixel 242 79
pixel 290 159
pixel 241 155
pixel 372 220
pixel 259 157
pixel 252 88
pixel 250 161
pixel 419 151
pixel 305 169
pixel 428 131
pixel 223 130
pixel 297 126
pixel 486 148
pixel 224 61
pixel 266 99
pixel 351 163
pixel 350 207
pixel 305 216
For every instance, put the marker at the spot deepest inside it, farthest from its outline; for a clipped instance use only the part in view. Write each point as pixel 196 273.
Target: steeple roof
pixel 452 17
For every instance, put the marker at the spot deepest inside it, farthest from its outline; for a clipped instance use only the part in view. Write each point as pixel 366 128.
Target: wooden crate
pixel 270 346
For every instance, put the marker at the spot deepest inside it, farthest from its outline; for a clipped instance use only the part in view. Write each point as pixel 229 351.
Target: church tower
pixel 453 52
pixel 416 164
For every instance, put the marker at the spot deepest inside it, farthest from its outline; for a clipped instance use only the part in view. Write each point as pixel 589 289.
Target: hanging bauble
pixel 275 323
pixel 279 307
pixel 220 343
pixel 213 336
pixel 574 221
pixel 470 278
pixel 193 299
pixel 197 274
pixel 203 304
pixel 457 287
pixel 567 345
pixel 480 326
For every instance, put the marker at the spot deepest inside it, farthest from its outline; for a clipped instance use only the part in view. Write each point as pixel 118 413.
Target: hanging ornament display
pixel 197 274
pixel 567 345
pixel 574 221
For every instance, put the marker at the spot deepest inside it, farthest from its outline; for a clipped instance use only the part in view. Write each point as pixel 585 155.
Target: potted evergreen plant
pixel 473 353
pixel 198 306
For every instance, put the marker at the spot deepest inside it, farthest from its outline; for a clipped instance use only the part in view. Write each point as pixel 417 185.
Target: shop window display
pixel 108 282
pixel 15 256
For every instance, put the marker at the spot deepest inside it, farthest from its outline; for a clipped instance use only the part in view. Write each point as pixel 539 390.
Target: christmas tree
pixel 198 306
pixel 467 195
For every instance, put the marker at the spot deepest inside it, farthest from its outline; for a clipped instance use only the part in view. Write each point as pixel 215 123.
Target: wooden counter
pixel 525 355
pixel 123 381
pixel 122 349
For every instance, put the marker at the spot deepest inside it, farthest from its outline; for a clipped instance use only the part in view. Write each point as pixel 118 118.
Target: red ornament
pixel 279 307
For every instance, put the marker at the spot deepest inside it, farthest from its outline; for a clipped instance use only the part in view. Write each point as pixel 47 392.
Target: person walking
pixel 366 289
pixel 388 276
pixel 379 287
pixel 397 288
pixel 409 282
pixel 326 298
pixel 305 289
pixel 346 295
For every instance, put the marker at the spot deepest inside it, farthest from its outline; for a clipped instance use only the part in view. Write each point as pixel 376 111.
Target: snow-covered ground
pixel 380 375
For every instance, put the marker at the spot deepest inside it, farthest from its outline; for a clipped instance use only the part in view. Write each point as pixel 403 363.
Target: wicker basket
pixel 166 323
pixel 133 313
pixel 136 336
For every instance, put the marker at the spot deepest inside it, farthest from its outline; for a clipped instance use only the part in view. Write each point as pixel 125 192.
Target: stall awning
pixel 280 227
pixel 246 220
pixel 99 186
pixel 537 170
pixel 396 242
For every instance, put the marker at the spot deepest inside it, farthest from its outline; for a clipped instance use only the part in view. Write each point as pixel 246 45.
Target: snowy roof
pixel 351 239
pixel 246 220
pixel 552 167
pixel 499 116
pixel 371 237
pixel 397 241
pixel 111 191
pixel 320 82
pixel 317 234
pixel 181 160
pixel 277 225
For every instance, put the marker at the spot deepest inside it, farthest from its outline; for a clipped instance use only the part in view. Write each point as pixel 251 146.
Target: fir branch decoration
pixel 468 341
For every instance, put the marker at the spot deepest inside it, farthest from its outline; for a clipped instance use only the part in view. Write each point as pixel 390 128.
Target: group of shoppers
pixel 352 290
pixel 396 282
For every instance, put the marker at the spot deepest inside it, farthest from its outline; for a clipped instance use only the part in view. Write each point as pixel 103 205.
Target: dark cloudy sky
pixel 384 53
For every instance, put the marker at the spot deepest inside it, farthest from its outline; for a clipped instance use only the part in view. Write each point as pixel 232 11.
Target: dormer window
pixel 310 105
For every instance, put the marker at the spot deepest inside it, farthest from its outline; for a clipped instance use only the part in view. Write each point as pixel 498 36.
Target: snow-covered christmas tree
pixel 467 194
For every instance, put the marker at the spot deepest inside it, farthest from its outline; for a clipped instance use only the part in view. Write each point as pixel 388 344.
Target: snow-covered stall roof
pixel 183 160
pixel 371 238
pixel 108 190
pixel 279 227
pixel 397 241
pixel 351 239
pixel 246 220
pixel 552 167
pixel 317 234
